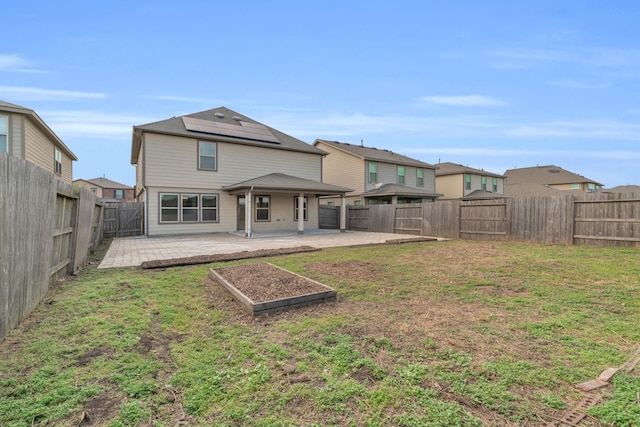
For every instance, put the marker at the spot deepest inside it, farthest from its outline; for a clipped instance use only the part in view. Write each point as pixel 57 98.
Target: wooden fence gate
pixel 123 219
pixel 328 216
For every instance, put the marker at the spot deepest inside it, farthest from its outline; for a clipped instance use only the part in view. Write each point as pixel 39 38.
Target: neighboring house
pixel 106 189
pixel 24 134
pixel 376 176
pixel 546 181
pixel 456 181
pixel 220 171
pixel 623 189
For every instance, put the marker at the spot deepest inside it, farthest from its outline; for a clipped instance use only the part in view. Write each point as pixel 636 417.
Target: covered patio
pixel 256 196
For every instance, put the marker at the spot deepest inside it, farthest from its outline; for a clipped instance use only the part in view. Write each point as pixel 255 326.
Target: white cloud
pixel 15 63
pixel 520 153
pixel 602 129
pixel 21 93
pixel 91 124
pixel 464 100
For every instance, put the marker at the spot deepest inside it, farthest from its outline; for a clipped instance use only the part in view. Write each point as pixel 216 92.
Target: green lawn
pixel 456 333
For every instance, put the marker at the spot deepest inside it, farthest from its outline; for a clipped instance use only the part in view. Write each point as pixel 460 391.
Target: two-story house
pixel 546 180
pixel 220 171
pixel 24 134
pixel 456 181
pixel 376 176
pixel 106 189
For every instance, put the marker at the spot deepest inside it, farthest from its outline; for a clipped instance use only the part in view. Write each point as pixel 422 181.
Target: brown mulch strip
pixel 207 259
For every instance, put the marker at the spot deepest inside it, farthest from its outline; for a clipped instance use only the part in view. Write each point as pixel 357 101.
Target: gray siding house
pixel 24 134
pixel 376 176
pixel 220 171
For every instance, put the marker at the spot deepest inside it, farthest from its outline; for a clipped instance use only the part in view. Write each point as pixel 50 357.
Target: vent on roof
pixel 219 115
pixel 236 118
pixel 554 171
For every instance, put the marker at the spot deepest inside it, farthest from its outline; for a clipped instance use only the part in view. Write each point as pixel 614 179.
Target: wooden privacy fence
pixel 123 219
pixel 611 219
pixel 328 216
pixel 46 231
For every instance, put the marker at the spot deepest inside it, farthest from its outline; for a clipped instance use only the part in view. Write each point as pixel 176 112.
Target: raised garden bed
pixel 263 287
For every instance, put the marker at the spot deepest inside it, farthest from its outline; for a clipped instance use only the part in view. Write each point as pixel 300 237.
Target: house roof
pixel 484 195
pixel 448 168
pixel 400 190
pixel 106 183
pixel 13 108
pixel 287 183
pixel 549 175
pixel 536 181
pixel 374 154
pixel 224 125
pixel 624 189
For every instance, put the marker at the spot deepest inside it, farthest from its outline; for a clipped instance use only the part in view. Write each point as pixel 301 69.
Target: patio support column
pixel 343 214
pixel 301 213
pixel 248 212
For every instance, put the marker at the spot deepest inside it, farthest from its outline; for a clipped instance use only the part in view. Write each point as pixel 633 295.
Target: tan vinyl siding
pixel 343 169
pixel 281 213
pixel 16 135
pixel 39 149
pixel 452 186
pixel 173 161
pixel 226 213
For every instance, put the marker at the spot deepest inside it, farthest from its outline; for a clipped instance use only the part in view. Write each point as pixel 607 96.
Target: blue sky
pixel 489 84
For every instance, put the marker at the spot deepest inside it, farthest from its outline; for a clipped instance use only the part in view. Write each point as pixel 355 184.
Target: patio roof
pixel 280 182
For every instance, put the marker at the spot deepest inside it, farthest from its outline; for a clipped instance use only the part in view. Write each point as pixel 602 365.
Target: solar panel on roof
pixel 253 131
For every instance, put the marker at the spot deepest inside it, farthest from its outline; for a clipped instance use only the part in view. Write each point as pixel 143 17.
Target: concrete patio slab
pixel 133 251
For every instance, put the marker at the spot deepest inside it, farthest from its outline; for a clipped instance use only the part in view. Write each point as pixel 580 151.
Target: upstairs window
pixel 420 177
pixel 495 185
pixel 373 172
pixel 118 194
pixel 4 134
pixel 484 183
pixel 207 155
pixel 400 174
pixel 57 161
pixel 467 182
pixel 575 186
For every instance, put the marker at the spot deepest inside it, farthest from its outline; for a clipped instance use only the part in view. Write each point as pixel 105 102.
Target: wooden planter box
pixel 255 308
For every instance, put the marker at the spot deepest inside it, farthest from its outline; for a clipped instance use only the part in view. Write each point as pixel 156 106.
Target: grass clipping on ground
pixel 445 334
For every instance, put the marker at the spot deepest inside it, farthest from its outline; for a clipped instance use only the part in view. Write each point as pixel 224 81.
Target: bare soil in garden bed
pixel 263 282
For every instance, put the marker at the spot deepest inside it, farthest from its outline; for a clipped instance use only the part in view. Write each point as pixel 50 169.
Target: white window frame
pixel 5 133
pixel 467 181
pixel 118 192
pixel 402 171
pixel 419 177
pixel 204 208
pixel 180 208
pixel 305 205
pixel 202 144
pixel 57 161
pixel 175 208
pixel 189 209
pixel 494 185
pixel 483 183
pixel 260 199
pixel 373 172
